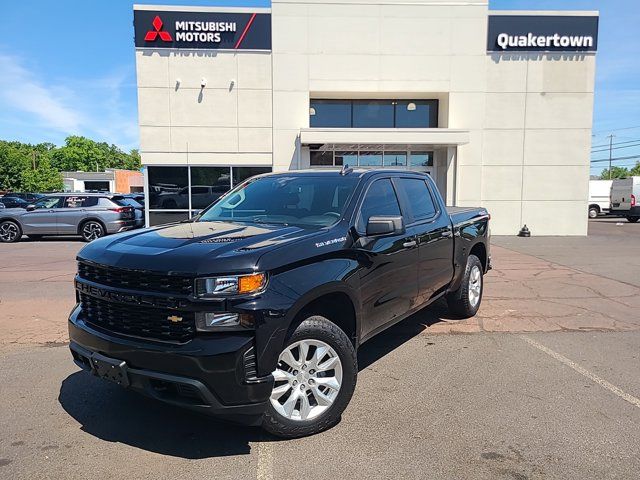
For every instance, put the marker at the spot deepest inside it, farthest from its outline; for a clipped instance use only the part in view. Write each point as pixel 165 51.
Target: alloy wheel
pixel 91 231
pixel 307 380
pixel 475 285
pixel 9 232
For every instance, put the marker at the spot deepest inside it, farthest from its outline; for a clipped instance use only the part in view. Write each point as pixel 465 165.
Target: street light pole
pixel 610 148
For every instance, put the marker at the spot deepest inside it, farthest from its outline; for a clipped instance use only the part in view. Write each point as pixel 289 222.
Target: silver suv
pixel 89 215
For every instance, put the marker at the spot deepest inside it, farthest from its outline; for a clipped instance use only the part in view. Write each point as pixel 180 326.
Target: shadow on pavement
pixel 394 337
pixel 114 414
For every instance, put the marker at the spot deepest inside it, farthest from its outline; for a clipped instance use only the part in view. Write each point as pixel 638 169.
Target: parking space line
pixel 582 371
pixel 265 461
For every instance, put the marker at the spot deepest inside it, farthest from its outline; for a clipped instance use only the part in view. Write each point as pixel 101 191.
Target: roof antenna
pixel 346 169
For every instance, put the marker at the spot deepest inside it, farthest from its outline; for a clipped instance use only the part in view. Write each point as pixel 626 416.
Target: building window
pixel 417 160
pixel 395 159
pixel 330 113
pixel 240 174
pixel 325 113
pixel 416 113
pixel 177 193
pixel 421 159
pixel 373 114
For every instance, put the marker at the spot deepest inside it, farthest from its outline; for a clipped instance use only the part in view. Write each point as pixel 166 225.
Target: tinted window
pixel 347 158
pixel 370 159
pixel 49 202
pixel 77 201
pixel 330 113
pixel 128 202
pixel 416 113
pixel 421 159
pixel 417 196
pixel 380 199
pixel 373 114
pixel 393 159
pixel 167 187
pixel 240 174
pixel 300 200
pixel 208 184
pixel 321 157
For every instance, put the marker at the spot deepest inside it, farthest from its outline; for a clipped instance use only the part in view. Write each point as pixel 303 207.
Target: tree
pixel 616 172
pixel 26 167
pixel 635 170
pixel 84 154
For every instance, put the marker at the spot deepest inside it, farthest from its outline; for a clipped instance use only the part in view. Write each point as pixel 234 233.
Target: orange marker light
pixel 251 283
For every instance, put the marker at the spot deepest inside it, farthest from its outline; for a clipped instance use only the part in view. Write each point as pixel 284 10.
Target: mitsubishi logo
pixel 153 34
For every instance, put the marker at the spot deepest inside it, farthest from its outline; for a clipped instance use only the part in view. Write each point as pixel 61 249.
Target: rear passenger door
pixel 72 212
pixel 431 225
pixel 389 273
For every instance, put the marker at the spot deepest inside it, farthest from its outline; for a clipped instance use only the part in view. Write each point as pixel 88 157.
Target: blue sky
pixel 68 67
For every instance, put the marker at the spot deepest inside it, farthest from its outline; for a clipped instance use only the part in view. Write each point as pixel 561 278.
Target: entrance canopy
pixel 414 138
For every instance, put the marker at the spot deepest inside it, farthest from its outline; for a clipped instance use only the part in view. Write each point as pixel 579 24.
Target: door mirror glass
pixel 385 225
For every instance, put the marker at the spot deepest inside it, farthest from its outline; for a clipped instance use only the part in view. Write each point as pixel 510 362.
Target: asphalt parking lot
pixel 542 383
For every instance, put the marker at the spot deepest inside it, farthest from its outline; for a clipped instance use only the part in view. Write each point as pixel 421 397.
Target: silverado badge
pixel 174 318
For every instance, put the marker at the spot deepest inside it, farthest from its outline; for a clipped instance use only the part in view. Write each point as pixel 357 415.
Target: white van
pixel 599 197
pixel 625 193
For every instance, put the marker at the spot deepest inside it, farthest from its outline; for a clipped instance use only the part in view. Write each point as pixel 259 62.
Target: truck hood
pixel 193 248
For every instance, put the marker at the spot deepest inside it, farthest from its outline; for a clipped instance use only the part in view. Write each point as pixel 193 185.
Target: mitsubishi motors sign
pixel 202 29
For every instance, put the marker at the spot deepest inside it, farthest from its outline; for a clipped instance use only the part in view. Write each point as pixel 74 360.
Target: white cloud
pixel 55 108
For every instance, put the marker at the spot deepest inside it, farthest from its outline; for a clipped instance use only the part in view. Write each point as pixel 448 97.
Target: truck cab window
pixel 417 197
pixel 380 199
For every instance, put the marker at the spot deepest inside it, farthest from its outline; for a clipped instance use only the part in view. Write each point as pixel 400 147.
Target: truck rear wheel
pixel 314 380
pixel 465 301
pixel 633 219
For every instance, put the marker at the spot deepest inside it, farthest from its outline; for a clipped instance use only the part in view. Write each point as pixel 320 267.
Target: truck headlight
pixel 215 321
pixel 230 285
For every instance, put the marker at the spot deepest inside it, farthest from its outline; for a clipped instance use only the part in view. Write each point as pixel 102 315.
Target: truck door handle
pixel 410 244
pixel 447 234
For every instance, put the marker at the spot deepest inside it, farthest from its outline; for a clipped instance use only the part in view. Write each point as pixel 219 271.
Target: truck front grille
pixel 136 279
pixel 152 323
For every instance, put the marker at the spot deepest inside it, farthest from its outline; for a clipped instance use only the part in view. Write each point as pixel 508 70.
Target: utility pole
pixel 610 148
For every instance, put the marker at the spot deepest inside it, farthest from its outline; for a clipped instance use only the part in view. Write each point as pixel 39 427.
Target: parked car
pixel 137 206
pixel 2 204
pixel 599 197
pixel 625 193
pixel 29 197
pixel 89 215
pixel 14 202
pixel 254 309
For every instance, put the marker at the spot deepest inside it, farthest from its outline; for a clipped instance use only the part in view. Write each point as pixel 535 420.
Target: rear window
pixel 80 201
pixel 418 197
pixel 127 202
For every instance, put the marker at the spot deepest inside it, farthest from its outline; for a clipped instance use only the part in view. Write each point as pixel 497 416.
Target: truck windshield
pixel 304 200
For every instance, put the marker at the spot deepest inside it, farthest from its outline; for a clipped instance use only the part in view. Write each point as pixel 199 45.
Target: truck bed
pixel 464 214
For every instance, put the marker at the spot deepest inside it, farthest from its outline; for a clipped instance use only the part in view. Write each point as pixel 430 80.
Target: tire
pixel 91 230
pixel 324 402
pixel 633 219
pixel 593 212
pixel 34 237
pixel 10 232
pixel 465 301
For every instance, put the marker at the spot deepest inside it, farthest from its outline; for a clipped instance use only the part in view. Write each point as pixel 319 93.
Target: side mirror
pixel 31 208
pixel 385 225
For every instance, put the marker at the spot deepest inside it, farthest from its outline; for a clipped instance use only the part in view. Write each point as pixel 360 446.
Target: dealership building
pixel 495 105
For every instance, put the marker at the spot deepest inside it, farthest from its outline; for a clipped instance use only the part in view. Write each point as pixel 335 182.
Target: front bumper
pixel 207 374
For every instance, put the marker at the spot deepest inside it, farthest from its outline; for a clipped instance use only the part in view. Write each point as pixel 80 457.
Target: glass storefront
pixel 178 193
pixel 414 160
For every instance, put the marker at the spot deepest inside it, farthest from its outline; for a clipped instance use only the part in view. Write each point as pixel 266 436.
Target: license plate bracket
pixel 110 369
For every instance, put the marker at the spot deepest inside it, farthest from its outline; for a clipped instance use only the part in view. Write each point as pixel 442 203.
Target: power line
pixel 615 159
pixel 619 129
pixel 615 148
pixel 615 143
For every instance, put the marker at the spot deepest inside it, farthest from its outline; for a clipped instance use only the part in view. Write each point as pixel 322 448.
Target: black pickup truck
pixel 254 309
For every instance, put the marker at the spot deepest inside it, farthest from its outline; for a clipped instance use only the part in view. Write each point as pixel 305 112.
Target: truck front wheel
pixel 633 219
pixel 314 380
pixel 465 301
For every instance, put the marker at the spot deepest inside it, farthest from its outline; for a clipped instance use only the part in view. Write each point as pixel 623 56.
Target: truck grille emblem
pixel 174 318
